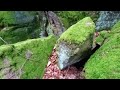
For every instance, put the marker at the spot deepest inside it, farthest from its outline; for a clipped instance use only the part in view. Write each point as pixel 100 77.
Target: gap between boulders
pixel 74 71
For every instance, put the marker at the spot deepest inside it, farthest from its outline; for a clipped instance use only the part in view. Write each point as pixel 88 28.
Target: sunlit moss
pixel 40 48
pixel 105 62
pixel 78 32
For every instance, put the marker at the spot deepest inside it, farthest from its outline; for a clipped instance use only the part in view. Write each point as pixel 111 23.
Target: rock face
pixel 50 24
pixel 75 43
pixel 69 18
pixel 27 59
pixel 18 26
pixel 105 62
pixel 107 19
pixel 17 17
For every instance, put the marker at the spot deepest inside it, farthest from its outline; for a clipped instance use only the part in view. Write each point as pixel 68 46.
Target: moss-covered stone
pixel 105 62
pixel 75 43
pixel 78 32
pixel 103 35
pixel 13 35
pixel 16 17
pixel 26 59
pixel 69 18
pixel 116 28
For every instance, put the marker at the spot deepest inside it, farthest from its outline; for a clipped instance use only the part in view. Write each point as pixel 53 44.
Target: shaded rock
pixel 68 18
pixel 12 35
pixel 75 43
pixel 18 26
pixel 50 24
pixel 21 18
pixel 107 19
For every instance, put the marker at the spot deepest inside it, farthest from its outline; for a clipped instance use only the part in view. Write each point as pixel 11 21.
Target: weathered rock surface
pixel 75 43
pixel 50 24
pixel 107 19
pixel 21 18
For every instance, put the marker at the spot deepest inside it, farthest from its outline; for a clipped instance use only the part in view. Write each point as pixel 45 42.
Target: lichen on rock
pixel 75 43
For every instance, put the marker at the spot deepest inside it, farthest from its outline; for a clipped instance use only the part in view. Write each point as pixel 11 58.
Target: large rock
pixel 107 19
pixel 13 35
pixel 27 59
pixel 105 62
pixel 69 18
pixel 17 26
pixel 75 43
pixel 17 17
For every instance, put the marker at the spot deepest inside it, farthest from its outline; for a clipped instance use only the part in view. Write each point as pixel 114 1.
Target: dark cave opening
pixel 81 63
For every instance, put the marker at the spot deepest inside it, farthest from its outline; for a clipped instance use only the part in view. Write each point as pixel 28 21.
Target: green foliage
pixel 70 17
pixel 78 32
pixel 40 48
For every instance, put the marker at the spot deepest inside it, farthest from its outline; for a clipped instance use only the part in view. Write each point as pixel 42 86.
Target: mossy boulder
pixel 18 26
pixel 69 18
pixel 75 43
pixel 107 19
pixel 17 17
pixel 26 59
pixel 13 34
pixel 105 62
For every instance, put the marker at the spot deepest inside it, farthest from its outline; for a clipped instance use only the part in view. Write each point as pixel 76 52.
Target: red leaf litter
pixel 53 72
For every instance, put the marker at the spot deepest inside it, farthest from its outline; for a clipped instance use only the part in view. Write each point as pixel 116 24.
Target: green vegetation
pixel 76 33
pixel 13 35
pixel 116 28
pixel 103 35
pixel 31 56
pixel 7 17
pixel 69 18
pixel 105 62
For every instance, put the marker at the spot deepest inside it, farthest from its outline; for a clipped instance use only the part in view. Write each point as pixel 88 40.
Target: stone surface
pixel 75 43
pixel 17 17
pixel 107 19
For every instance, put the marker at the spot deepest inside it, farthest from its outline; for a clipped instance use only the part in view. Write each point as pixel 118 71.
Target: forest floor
pixel 53 72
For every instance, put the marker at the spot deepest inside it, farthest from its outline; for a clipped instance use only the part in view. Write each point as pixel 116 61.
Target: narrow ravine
pixel 72 72
pixel 53 72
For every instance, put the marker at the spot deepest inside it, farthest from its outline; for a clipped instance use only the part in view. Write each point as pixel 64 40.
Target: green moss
pixel 7 17
pixel 33 67
pixel 105 62
pixel 102 36
pixel 13 35
pixel 69 18
pixel 78 32
pixel 116 28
